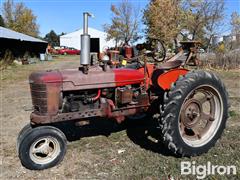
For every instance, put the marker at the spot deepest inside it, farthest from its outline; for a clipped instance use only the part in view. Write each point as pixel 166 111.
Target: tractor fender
pixel 167 78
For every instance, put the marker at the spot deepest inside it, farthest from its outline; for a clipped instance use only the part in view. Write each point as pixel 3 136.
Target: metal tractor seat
pixel 170 65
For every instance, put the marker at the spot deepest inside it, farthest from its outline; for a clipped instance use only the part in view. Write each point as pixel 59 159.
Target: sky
pixel 66 15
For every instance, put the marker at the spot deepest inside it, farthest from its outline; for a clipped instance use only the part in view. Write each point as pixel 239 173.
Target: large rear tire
pixel 41 147
pixel 194 113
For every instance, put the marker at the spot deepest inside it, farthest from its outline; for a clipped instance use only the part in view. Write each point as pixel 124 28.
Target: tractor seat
pixel 170 65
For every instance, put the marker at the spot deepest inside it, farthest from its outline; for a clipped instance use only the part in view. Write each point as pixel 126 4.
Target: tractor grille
pixel 39 97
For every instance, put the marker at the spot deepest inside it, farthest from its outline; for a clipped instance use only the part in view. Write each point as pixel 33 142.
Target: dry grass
pixel 227 60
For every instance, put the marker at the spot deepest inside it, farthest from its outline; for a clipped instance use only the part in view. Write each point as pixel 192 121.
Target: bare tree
pixel 194 18
pixel 20 18
pixel 214 15
pixel 203 18
pixel 235 22
pixel 125 24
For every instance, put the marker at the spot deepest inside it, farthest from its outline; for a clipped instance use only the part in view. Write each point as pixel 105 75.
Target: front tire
pixel 41 147
pixel 194 113
pixel 27 128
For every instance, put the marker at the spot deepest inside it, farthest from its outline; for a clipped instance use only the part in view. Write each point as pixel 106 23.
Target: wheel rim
pixel 44 150
pixel 200 116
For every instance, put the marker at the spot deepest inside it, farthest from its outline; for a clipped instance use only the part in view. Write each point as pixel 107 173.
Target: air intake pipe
pixel 85 44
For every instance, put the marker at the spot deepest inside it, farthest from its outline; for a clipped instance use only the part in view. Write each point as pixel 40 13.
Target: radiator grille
pixel 39 97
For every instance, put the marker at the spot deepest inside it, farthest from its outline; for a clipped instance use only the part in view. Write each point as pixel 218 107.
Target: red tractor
pixel 191 108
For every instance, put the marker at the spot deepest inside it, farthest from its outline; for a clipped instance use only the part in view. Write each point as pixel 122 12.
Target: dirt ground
pixel 106 150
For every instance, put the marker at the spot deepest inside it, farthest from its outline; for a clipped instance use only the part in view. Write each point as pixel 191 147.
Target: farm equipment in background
pixel 187 53
pixel 117 55
pixel 191 107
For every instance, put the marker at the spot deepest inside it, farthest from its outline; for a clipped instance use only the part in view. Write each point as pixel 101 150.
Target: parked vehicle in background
pixel 71 51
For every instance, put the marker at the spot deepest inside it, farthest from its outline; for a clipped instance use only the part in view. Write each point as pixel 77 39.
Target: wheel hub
pixel 190 114
pixel 44 150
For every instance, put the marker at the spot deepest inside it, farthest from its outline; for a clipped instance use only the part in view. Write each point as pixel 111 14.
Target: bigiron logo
pixel 202 171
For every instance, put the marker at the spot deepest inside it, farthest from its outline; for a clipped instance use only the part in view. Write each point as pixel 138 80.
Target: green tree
pixel 163 20
pixel 52 38
pixel 2 23
pixel 193 19
pixel 125 24
pixel 20 18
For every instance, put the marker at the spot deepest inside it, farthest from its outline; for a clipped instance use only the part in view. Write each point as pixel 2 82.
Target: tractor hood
pixel 73 79
pixel 49 76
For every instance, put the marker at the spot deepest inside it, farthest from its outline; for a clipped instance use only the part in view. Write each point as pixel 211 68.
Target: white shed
pixel 98 40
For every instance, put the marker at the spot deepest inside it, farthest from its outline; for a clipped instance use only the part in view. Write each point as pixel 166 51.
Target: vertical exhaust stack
pixel 85 44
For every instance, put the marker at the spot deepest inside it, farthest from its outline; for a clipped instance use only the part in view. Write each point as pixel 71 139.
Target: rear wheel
pixel 194 113
pixel 42 147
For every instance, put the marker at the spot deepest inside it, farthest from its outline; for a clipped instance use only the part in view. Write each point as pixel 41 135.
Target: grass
pixel 233 113
pixel 21 72
pixel 99 156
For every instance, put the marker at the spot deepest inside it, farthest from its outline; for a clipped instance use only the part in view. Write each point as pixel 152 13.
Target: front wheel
pixel 27 128
pixel 194 113
pixel 41 147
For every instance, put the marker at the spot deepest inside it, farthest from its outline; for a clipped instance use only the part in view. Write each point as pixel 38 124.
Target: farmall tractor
pixel 191 108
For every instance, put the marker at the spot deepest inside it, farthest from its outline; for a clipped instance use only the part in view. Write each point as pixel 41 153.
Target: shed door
pixel 95 45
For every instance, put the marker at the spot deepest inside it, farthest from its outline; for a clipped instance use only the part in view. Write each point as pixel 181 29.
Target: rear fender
pixel 167 78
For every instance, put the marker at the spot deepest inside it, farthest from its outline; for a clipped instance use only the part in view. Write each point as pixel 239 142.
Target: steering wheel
pixel 158 50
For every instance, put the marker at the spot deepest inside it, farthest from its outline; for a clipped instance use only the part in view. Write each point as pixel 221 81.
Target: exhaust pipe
pixel 85 44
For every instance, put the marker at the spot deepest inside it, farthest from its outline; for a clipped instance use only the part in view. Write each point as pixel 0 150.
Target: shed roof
pixel 91 31
pixel 10 34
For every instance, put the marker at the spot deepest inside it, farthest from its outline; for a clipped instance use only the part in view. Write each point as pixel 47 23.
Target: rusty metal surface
pixel 143 99
pixel 45 77
pixel 53 97
pixel 39 119
pixel 124 95
pixel 39 97
pixel 45 97
pixel 195 116
pixel 114 55
pixel 170 65
pixel 73 79
pixel 106 110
